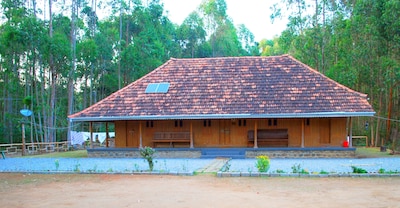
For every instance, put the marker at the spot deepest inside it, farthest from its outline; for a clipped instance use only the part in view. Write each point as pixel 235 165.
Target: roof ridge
pixel 229 57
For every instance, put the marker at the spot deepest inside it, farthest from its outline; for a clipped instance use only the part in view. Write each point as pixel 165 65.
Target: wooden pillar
pixel 140 135
pixel 23 139
pixel 107 135
pixel 302 133
pixel 351 132
pixel 255 134
pixel 91 134
pixel 191 134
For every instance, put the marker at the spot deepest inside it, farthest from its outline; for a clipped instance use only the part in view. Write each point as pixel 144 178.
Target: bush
pixel 262 163
pixel 358 170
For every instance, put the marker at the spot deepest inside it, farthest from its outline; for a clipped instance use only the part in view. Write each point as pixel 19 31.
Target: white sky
pixel 255 14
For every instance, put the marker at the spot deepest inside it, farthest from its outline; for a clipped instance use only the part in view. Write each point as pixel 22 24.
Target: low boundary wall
pixel 303 152
pixel 334 152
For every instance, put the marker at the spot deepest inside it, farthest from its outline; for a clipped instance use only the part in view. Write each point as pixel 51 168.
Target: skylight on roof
pixel 157 87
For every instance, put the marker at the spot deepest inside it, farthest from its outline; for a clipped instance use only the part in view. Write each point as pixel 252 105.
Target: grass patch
pixel 68 154
pixel 372 152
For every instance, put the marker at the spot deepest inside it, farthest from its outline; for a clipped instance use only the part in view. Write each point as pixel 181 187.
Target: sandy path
pixel 17 190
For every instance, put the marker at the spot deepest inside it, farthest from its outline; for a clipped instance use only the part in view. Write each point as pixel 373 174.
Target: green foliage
pixel 262 163
pixel 358 170
pixel 323 172
pixel 296 168
pixel 27 100
pixel 148 153
pixel 381 170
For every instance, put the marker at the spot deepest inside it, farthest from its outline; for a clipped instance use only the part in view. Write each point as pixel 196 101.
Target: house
pixel 231 102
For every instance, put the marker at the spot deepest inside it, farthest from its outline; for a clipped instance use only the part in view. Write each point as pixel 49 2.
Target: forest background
pixel 62 64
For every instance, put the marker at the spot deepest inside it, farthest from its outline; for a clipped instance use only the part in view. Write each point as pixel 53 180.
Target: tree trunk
pixel 71 75
pixel 377 137
pixel 53 82
pixel 389 114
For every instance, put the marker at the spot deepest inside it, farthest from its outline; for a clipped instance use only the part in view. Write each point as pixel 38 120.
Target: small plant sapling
pixel 57 164
pixel 148 153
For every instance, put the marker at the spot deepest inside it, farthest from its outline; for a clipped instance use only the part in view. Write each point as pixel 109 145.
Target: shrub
pixel 358 170
pixel 147 153
pixel 381 171
pixel 262 163
pixel 323 172
pixel 298 169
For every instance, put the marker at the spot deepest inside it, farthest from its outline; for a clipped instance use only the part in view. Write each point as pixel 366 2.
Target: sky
pixel 254 14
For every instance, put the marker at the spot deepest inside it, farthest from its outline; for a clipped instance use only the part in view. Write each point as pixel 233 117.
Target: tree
pixel 270 47
pixel 214 12
pixel 191 35
pixel 14 41
pixel 246 37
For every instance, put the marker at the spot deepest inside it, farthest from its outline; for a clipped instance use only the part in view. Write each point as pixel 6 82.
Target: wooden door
pixel 224 132
pixel 324 131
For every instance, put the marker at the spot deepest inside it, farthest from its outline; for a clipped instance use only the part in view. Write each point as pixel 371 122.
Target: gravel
pixel 372 165
pixel 189 166
pixel 100 165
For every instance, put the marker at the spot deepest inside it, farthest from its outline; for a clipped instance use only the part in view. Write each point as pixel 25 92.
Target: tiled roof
pixel 231 87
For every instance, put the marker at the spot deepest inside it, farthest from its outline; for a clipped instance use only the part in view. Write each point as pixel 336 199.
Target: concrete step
pixel 223 153
pixel 223 156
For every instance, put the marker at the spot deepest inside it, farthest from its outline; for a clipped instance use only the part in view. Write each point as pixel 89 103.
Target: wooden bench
pixel 269 138
pixel 171 138
pixel 359 137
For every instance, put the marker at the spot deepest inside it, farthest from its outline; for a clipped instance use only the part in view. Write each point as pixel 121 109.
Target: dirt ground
pixel 83 190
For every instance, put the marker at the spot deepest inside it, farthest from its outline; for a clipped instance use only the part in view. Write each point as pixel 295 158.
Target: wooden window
pixel 149 124
pixel 273 122
pixel 178 123
pixel 242 122
pixel 207 123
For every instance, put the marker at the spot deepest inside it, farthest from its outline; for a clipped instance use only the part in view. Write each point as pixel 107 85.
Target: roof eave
pixel 224 116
